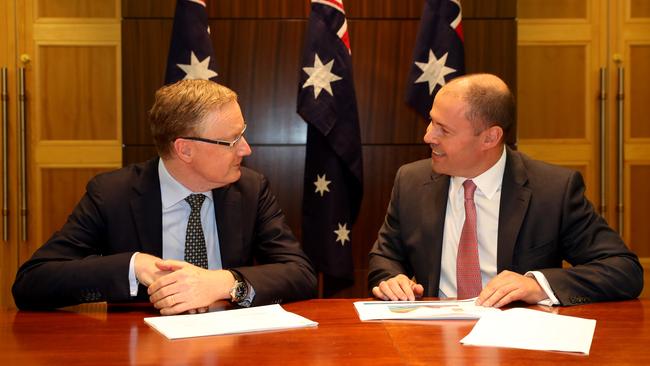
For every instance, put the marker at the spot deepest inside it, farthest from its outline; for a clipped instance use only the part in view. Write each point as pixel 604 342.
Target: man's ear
pixel 492 136
pixel 183 149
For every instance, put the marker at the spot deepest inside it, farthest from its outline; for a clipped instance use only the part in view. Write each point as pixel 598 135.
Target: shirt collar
pixel 489 182
pixel 171 190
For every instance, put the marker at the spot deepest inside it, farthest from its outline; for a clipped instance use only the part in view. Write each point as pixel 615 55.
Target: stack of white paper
pixel 421 310
pixel 270 317
pixel 533 329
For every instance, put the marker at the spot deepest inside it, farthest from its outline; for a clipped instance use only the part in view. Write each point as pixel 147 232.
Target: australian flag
pixel 191 55
pixel 439 55
pixel 333 180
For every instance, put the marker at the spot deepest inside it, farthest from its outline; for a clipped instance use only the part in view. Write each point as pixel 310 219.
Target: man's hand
pixel 507 287
pixel 399 287
pixel 146 271
pixel 188 287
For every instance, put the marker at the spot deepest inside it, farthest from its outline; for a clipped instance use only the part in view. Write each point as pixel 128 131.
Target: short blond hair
pixel 180 108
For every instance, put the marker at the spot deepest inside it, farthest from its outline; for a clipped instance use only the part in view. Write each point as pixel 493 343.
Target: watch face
pixel 239 291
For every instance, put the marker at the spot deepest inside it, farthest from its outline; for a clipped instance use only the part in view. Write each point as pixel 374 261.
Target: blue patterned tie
pixel 195 251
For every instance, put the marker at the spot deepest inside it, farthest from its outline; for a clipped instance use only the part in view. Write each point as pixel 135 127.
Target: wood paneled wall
pixel 258 45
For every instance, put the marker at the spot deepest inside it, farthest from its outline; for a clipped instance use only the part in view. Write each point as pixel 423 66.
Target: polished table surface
pixel 100 334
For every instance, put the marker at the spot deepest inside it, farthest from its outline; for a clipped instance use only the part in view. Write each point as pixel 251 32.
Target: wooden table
pixel 97 334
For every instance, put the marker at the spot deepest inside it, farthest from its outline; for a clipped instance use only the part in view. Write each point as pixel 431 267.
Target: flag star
pixel 197 69
pixel 320 76
pixel 434 71
pixel 342 234
pixel 322 184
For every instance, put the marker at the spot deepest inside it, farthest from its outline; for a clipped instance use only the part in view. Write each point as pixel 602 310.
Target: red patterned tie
pixel 468 267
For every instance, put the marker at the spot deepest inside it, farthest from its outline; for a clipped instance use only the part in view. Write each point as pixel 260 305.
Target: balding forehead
pixel 461 83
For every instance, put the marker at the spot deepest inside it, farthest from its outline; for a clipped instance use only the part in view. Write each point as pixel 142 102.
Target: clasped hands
pixel 503 289
pixel 175 286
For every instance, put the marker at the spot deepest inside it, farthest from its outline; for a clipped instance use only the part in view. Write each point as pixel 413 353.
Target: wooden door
pixel 71 55
pixel 562 47
pixel 631 52
pixel 8 182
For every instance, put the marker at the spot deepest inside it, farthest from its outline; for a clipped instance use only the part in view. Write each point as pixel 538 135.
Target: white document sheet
pixel 533 329
pixel 421 310
pixel 261 318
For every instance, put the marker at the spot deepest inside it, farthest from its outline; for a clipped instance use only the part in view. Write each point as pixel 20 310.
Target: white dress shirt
pixel 175 215
pixel 487 199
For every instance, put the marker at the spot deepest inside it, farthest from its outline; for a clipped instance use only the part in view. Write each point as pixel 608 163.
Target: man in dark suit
pixel 490 222
pixel 195 206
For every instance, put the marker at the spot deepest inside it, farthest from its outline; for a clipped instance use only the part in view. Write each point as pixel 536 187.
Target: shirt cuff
pixel 543 282
pixel 133 281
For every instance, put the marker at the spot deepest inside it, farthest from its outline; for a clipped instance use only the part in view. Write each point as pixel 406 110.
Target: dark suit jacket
pixel 121 213
pixel 544 218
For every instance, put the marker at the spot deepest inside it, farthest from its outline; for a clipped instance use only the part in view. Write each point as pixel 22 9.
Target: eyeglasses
pixel 217 142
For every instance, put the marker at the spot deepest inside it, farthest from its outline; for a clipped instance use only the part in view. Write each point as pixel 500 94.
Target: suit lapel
pixel 435 191
pixel 228 210
pixel 515 197
pixel 147 208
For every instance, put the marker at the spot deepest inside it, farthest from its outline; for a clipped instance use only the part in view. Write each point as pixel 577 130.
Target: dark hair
pixel 180 108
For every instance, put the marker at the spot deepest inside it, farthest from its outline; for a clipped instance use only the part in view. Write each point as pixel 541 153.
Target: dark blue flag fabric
pixel 438 56
pixel 191 55
pixel 333 180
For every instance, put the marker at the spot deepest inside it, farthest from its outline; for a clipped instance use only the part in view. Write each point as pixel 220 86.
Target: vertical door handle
pixel 22 141
pixel 603 140
pixel 5 150
pixel 620 98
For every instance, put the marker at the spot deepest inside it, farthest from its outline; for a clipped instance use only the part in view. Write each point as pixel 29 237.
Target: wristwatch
pixel 239 290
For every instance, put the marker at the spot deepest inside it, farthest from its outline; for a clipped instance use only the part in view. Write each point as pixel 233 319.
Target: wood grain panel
pixel 382 55
pixel 490 47
pixel 262 66
pixel 136 154
pixel 481 9
pixel 77 8
pixel 148 9
pixel 62 189
pixel 88 108
pixel 549 98
pixel 639 91
pixel 639 201
pixel 543 9
pixel 355 9
pixel 639 9
pixel 284 168
pixel 266 77
pixel 145 44
pixel 259 9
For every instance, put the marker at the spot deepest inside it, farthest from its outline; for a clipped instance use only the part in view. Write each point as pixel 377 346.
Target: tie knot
pixel 469 187
pixel 195 200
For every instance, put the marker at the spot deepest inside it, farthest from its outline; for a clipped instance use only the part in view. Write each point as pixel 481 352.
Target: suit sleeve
pixel 284 273
pixel 387 257
pixel 603 268
pixel 72 267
